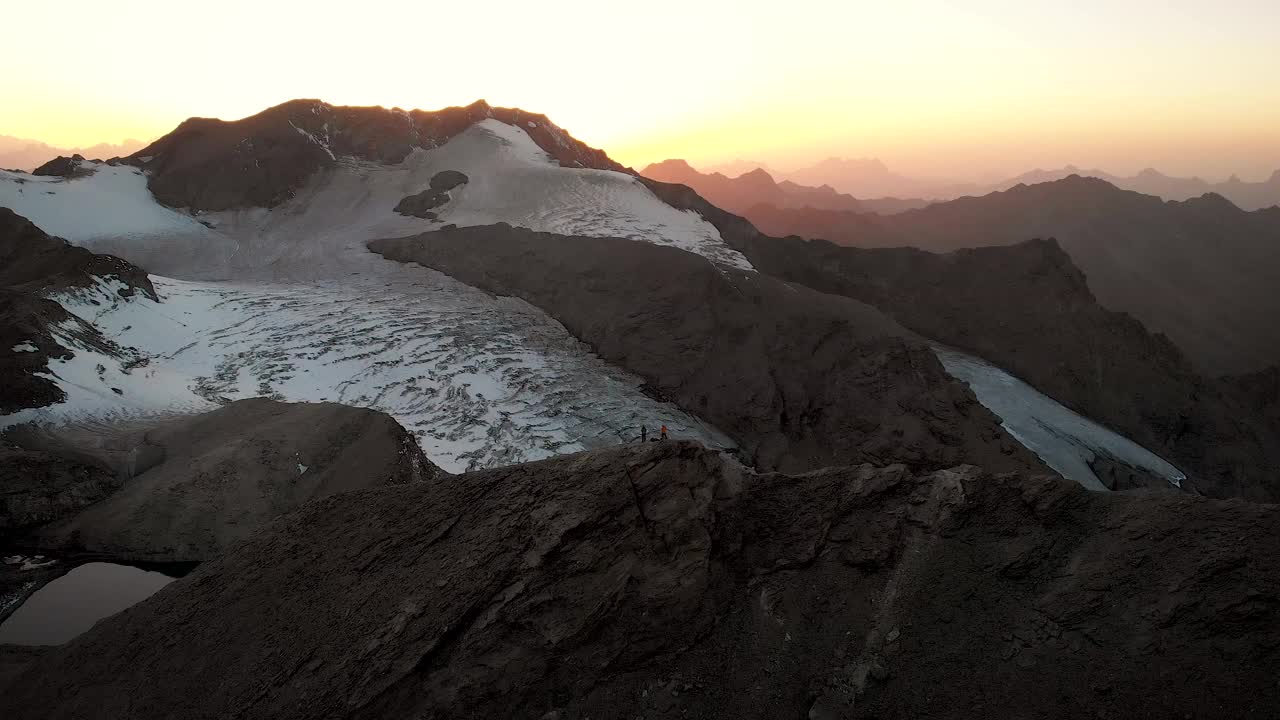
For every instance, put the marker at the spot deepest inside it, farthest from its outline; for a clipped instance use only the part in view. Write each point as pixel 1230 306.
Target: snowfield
pixel 480 381
pixel 110 202
pixel 1064 440
pixel 512 180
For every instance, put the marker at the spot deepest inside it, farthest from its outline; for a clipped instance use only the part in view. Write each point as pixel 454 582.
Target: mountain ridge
pixel 1161 261
pixel 758 186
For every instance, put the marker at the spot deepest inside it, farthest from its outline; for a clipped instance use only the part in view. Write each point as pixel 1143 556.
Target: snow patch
pixel 112 202
pixel 25 347
pixel 1064 440
pixel 324 145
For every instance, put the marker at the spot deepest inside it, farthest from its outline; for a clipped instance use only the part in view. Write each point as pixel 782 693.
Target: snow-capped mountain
pixel 303 311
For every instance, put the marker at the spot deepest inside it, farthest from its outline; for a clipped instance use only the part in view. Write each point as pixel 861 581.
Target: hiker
pixel 644 434
pixel 664 432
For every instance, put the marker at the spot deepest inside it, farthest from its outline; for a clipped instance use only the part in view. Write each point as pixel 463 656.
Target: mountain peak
pixel 261 160
pixel 757 175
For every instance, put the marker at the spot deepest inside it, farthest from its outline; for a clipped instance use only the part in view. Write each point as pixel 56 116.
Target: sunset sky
pixel 954 89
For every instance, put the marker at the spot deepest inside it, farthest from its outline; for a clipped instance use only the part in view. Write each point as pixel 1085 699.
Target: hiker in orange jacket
pixel 664 432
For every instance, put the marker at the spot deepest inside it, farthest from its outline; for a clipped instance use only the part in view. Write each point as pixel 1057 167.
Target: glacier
pixel 1065 440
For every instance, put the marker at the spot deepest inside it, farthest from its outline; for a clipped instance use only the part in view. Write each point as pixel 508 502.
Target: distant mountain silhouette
pixel 1246 195
pixel 863 177
pixel 1202 271
pixel 737 194
pixel 738 167
pixel 23 154
pixel 872 178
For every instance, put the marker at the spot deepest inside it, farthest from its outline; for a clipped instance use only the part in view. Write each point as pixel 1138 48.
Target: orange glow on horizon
pixel 935 89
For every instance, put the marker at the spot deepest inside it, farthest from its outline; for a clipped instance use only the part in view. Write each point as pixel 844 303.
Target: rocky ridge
pixel 667 579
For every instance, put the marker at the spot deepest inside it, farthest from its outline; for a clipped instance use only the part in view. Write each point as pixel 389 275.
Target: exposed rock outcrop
pixel 209 164
pixel 63 166
pixel 799 379
pixel 421 204
pixel 196 485
pixel 667 580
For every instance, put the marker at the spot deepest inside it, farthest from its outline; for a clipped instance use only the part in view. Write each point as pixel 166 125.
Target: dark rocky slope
pixel 192 486
pixel 664 581
pixel 1029 310
pixel 1203 271
pixel 210 164
pixel 800 379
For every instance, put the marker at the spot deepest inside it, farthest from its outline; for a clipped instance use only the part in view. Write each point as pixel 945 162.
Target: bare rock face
pixel 209 164
pixel 62 166
pixel 193 486
pixel 669 581
pixel 799 379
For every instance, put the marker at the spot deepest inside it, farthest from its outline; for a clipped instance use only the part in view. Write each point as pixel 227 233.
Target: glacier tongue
pixel 1064 440
pixel 481 381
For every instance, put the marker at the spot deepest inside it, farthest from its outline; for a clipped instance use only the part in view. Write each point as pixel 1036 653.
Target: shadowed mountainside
pixel 1202 272
pixel 1028 309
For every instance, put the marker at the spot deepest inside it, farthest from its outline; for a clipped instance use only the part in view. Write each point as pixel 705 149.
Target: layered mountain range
pixel 858 499
pixel 757 187
pixel 870 177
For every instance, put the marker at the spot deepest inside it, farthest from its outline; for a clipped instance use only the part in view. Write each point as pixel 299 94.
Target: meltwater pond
pixel 70 605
